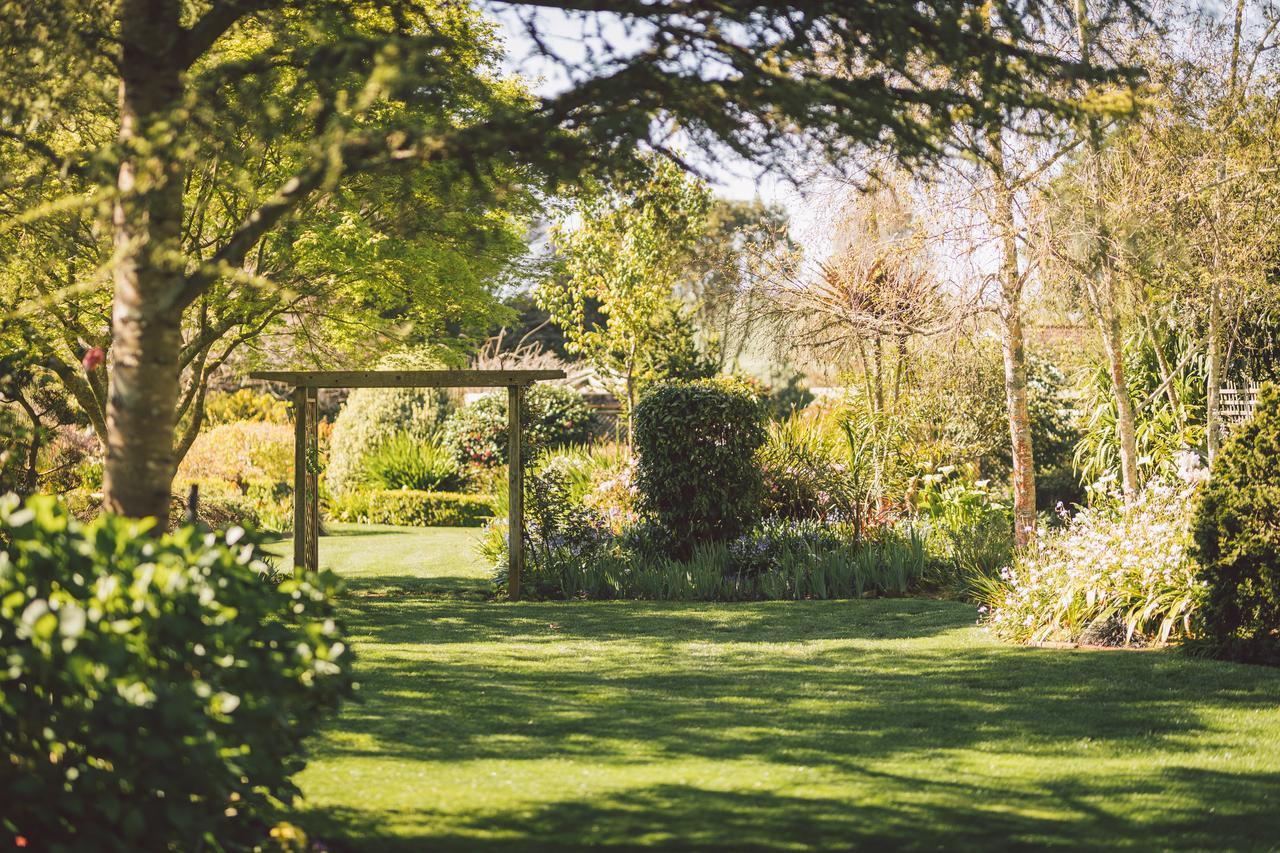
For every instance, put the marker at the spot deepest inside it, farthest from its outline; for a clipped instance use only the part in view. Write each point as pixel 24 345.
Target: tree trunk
pixel 1102 290
pixel 1015 363
pixel 1113 343
pixel 148 273
pixel 1213 403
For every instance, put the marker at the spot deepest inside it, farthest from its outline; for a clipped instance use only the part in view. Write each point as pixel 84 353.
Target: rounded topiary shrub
pixel 156 690
pixel 373 416
pixel 697 473
pixel 1237 537
pixel 554 416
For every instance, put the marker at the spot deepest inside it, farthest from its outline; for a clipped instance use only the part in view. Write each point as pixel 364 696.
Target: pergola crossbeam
pixel 407 378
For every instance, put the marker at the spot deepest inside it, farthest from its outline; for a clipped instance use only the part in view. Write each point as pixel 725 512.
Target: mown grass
pixel 772 726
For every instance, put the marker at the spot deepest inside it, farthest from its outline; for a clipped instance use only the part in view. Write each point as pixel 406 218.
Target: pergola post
pixel 299 477
pixel 515 488
pixel 306 478
pixel 313 480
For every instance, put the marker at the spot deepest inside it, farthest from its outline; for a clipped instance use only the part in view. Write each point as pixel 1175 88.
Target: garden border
pixel 306 447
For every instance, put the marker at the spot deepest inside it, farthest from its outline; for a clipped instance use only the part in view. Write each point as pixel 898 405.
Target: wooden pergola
pixel 306 449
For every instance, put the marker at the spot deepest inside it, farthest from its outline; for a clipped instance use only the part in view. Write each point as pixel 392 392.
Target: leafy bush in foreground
pixel 1110 576
pixel 411 508
pixel 1237 534
pixel 156 690
pixel 697 471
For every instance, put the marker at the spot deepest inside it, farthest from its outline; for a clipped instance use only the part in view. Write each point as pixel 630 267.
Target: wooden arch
pixel 306 448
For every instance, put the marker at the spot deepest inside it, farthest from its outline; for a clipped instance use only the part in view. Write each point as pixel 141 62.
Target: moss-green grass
pixel 778 726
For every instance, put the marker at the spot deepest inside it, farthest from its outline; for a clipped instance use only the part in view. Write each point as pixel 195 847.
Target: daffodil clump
pixel 1112 575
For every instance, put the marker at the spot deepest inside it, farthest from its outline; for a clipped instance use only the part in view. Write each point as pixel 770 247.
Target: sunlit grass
pixel 770 726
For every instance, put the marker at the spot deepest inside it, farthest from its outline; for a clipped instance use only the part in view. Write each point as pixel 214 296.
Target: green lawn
pixel 779 726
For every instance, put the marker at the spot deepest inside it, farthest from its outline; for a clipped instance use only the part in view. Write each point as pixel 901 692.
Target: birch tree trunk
pixel 1013 345
pixel 1213 404
pixel 1101 287
pixel 148 275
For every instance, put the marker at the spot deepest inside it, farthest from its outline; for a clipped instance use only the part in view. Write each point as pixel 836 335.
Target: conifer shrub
pixel 1237 541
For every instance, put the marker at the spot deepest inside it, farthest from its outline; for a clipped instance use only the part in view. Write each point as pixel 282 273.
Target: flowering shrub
pixel 554 416
pixel 1111 576
pixel 240 451
pixel 156 690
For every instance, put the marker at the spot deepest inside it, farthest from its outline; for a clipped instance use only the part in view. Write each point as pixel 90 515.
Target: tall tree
pixel 624 251
pixel 743 73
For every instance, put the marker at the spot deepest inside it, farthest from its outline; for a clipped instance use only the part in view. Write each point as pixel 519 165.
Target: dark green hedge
pixel 697 471
pixel 412 509
pixel 1237 534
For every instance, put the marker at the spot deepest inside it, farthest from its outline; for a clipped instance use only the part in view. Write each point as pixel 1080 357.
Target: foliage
pixel 404 462
pixel 240 451
pixel 257 503
pixel 410 508
pixel 1113 576
pixel 623 254
pixel 157 690
pixel 372 416
pixel 697 472
pixel 789 397
pixel 968 529
pixel 804 477
pixel 1236 519
pixel 571 552
pixel 244 404
pixel 1163 429
pixel 554 416
pixel 260 505
pixel 1054 434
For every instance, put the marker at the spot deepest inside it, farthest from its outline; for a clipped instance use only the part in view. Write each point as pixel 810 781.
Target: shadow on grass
pixel 833 686
pixel 400 587
pixel 967 817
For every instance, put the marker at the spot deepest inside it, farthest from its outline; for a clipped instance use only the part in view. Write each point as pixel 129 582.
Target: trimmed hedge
pixel 410 508
pixel 157 690
pixel 1237 546
pixel 697 474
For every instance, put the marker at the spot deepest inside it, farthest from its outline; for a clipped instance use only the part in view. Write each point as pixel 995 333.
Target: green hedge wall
pixel 412 508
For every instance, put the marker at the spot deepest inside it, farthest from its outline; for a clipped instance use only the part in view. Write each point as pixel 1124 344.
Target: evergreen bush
pixel 1237 541
pixel 697 471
